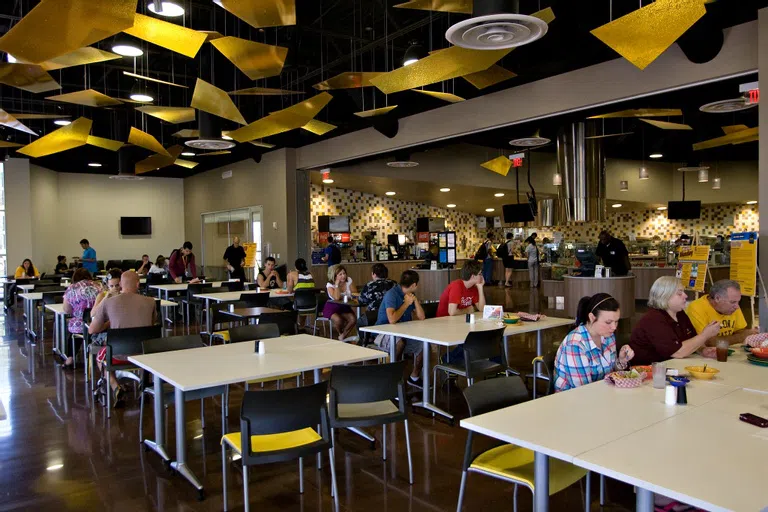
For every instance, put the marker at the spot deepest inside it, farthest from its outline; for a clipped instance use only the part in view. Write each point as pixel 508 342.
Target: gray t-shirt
pixel 127 310
pixel 533 253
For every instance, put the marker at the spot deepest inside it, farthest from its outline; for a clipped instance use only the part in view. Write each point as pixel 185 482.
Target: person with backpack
pixel 485 254
pixel 505 251
pixel 332 253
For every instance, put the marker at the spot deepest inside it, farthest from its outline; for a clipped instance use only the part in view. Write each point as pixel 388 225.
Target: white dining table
pixel 220 365
pixel 30 301
pixel 451 331
pixel 233 297
pixel 182 287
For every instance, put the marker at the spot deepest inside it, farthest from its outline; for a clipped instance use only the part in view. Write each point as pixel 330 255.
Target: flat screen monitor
pixel 517 213
pixel 587 259
pixel 338 224
pixel 443 257
pixel 135 226
pixel 684 209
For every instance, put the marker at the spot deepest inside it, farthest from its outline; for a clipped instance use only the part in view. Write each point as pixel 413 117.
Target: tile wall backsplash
pixel 387 215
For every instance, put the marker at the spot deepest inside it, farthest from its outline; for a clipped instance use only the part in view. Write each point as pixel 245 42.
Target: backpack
pixel 482 253
pixel 503 250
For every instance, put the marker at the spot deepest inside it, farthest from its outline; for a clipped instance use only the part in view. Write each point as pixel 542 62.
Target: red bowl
pixel 762 353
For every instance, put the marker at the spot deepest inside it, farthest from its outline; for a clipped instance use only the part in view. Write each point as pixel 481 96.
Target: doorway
pixel 218 231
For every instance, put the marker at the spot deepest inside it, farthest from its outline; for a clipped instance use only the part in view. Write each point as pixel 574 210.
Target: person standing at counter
pixel 234 258
pixel 332 253
pixel 532 253
pixel 485 254
pixel 373 292
pixel 665 331
pixel 506 252
pixel 613 253
pixel 339 286
pixel 721 305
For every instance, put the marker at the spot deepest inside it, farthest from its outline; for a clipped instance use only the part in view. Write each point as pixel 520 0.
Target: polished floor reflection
pixel 59 452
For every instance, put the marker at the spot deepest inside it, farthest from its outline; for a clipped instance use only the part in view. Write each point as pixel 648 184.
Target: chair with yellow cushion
pixel 278 426
pixel 222 322
pixel 509 462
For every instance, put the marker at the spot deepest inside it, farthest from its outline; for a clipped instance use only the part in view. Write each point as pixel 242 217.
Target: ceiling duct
pixel 581 163
pixel 210 134
pixel 496 25
pixel 703 41
pixel 126 165
pixel 549 214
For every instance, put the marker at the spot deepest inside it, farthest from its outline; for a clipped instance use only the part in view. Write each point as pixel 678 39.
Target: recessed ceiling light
pixel 446 189
pixel 55 467
pixel 616 205
pixel 725 106
pixel 143 98
pixel 751 202
pixel 655 155
pixel 661 208
pixel 127 50
pixel 62 122
pixel 498 194
pixel 226 137
pixel 450 205
pixel 390 193
pixel 188 153
pixel 169 9
pixel 328 181
pixel 94 164
pixel 490 209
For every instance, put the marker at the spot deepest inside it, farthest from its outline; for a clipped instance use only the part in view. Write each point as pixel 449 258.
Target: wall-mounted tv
pixel 517 213
pixel 131 226
pixel 684 209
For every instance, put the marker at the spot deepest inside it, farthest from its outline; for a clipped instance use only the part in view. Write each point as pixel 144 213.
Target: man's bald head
pixel 129 282
pixel 236 241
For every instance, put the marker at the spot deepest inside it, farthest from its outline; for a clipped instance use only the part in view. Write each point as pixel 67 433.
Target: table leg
pixel 644 500
pixel 63 335
pixel 538 342
pixel 164 320
pixel 208 323
pixel 425 403
pixel 180 465
pixel 541 481
pixel 158 445
pixel 55 333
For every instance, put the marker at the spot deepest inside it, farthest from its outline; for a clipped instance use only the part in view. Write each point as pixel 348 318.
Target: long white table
pixel 182 287
pixel 451 331
pixel 30 310
pixel 233 297
pixel 219 365
pixel 580 425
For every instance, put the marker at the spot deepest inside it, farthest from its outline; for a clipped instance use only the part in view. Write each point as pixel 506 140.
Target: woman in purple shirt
pixel 81 295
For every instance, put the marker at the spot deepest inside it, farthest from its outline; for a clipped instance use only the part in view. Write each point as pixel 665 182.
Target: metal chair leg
pixel 588 492
pixel 224 472
pixel 408 451
pixel 602 490
pixel 301 475
pixel 384 443
pixel 514 499
pixel 223 414
pixel 434 385
pixel 246 499
pixel 108 386
pixel 334 488
pixel 141 419
pixel 462 487
pixel 202 413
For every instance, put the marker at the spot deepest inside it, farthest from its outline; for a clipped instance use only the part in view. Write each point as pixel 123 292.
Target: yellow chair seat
pixel 366 410
pixel 223 335
pixel 515 463
pixel 272 379
pixel 274 442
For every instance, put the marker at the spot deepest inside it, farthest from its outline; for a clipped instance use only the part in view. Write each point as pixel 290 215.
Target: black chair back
pixel 54 279
pixel 114 264
pixel 253 332
pixel 286 322
pixel 364 384
pixel 49 289
pixel 430 309
pixel 481 346
pixel 545 365
pixel 195 289
pixel 493 394
pixel 127 265
pixel 217 317
pixel 23 281
pixel 100 264
pixel 172 343
pixel 50 297
pixel 129 341
pixel 305 300
pixel 255 300
pixel 233 286
pixel 285 410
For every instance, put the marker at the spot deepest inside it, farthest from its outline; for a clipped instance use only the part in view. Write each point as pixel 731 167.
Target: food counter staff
pixel 613 253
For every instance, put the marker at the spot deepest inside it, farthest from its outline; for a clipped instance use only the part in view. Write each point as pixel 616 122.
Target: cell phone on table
pixel 753 420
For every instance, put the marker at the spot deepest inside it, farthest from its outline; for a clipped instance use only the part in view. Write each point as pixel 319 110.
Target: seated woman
pixel 26 270
pixel 301 278
pixel 269 278
pixel 160 266
pixel 341 315
pixel 665 331
pixel 61 265
pixel 80 295
pixel 588 352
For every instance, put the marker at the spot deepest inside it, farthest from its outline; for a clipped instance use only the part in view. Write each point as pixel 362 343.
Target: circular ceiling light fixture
pixel 127 50
pixel 725 106
pixel 94 164
pixel 188 153
pixel 490 210
pixel 402 160
pixel 62 122
pixel 210 137
pixel 498 194
pixel 142 97
pixel 450 205
pixel 530 142
pixel 445 189
pixel 489 31
pixel 390 193
pixel 226 137
pixel 126 177
pixel 655 155
pixel 167 9
pixel 616 205
pixel 751 202
pixel 414 53
pixel 661 208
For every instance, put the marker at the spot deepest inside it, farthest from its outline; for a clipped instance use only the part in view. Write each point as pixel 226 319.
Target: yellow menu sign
pixel 250 254
pixel 694 253
pixel 744 262
pixel 692 267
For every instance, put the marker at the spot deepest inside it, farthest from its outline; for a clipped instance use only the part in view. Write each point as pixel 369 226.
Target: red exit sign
pixel 754 96
pixel 517 162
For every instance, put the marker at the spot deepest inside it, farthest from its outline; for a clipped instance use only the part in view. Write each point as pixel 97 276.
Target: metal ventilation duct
pixel 549 214
pixel 581 163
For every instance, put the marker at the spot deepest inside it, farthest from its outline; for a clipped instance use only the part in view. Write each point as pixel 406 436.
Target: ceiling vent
pixel 402 160
pixel 530 142
pixel 725 106
pixel 496 25
pixel 126 166
pixel 210 134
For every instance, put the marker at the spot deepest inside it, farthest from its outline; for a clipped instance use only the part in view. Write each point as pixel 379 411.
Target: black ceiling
pixel 330 37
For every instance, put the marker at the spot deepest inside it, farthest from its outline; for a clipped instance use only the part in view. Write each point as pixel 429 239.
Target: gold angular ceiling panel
pixel 10 121
pixel 213 100
pixel 739 137
pixel 27 77
pixel 67 137
pixel 256 60
pixel 38 116
pixel 284 120
pixel 318 127
pixel 186 133
pixel 666 125
pixel 188 164
pixel 156 80
pixel 88 97
pixel 167 35
pixel 499 165
pixel 79 57
pixel 6 144
pixel 607 135
pixel 642 112
pixel 215 153
pixel 457 6
pixel 726 129
pixel 100 142
pixel 450 98
pixel 350 80
pixel 262 13
pixel 146 141
pixel 210 35
pixel 260 144
pixel 643 35
pixel 68 25
pixel 263 91
pixel 491 76
pixel 376 112
pixel 173 115
pixel 155 162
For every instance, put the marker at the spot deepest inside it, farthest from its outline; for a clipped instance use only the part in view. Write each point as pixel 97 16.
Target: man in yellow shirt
pixel 722 304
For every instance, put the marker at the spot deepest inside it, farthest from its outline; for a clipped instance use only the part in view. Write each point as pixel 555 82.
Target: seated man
pixel 373 292
pixel 399 305
pixel 722 305
pixel 123 311
pixel 463 296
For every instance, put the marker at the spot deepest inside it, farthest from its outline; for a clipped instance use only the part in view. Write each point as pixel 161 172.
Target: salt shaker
pixel 670 395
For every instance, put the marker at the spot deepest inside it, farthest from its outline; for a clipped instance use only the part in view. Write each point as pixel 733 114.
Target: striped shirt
pixel 579 361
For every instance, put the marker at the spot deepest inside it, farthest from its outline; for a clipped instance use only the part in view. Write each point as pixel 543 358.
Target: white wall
pixel 50 212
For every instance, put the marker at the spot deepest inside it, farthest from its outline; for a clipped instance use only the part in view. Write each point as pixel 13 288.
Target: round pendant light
pixel 168 9
pixel 643 173
pixel 414 53
pixel 127 49
pixel 624 186
pixel 557 179
pixel 703 175
pixel 716 184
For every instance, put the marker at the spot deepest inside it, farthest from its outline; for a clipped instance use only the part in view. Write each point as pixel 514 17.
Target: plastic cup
pixel 659 375
pixel 722 350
